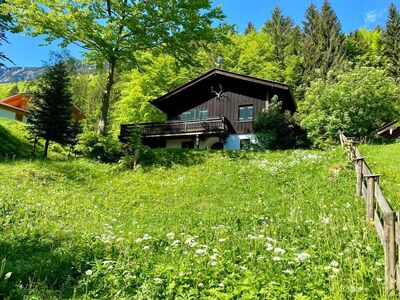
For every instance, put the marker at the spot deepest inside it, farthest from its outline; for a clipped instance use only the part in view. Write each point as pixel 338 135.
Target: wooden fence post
pixel 352 146
pixel 390 252
pixel 371 179
pixel 359 168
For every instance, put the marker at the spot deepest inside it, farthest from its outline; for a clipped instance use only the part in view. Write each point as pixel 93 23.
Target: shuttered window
pixel 246 113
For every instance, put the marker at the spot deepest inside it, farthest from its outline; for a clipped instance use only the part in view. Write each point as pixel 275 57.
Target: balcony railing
pixel 177 128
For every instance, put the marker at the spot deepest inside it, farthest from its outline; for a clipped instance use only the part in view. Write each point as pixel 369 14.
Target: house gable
pixel 234 91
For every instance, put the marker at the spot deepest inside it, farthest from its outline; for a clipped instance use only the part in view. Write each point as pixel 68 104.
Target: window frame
pixel 247 108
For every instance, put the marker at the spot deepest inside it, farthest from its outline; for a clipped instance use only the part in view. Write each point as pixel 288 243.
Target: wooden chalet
pixel 17 107
pixel 390 131
pixel 213 111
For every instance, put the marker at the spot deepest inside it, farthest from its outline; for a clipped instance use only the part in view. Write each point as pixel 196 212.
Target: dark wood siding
pixel 228 106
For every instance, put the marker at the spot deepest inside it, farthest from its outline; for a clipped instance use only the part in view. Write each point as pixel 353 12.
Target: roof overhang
pixel 204 81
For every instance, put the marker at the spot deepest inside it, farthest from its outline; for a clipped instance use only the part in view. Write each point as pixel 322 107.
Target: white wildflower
pixel 120 239
pixel 243 268
pixel 89 272
pixel 176 243
pixel 302 257
pixel 221 240
pixel 288 271
pixel 335 270
pixel 270 239
pixel 269 246
pixel 158 280
pixel 213 263
pixel 327 268
pixel 334 264
pixel 325 220
pixel 378 264
pixel 171 235
pixel 146 237
pixel 221 285
pixel 279 251
pixel 200 285
pixel 214 256
pixel 344 228
pixel 276 258
pixel 8 275
pixel 368 248
pixel 106 262
pixel 200 251
pixel 146 248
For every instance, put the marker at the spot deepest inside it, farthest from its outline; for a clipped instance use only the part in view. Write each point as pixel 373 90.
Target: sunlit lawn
pixel 281 225
pixel 385 160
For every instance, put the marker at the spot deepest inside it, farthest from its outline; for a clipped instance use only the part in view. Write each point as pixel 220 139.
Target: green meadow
pixel 385 160
pixel 194 225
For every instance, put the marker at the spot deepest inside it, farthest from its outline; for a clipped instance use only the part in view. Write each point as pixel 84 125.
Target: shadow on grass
pixel 167 158
pixel 11 145
pixel 44 263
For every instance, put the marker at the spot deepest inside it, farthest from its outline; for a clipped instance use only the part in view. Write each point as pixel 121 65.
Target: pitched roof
pixel 390 130
pixel 21 102
pixel 11 107
pixel 161 101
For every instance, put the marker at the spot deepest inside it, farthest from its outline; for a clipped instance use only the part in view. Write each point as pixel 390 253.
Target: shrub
pixel 96 146
pixel 276 129
pixel 357 102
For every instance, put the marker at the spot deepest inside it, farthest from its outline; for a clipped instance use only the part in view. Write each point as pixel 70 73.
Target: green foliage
pixel 98 147
pixel 113 31
pixel 364 47
pixel 14 90
pixel 276 129
pixel 357 103
pixel 287 227
pixel 133 149
pixel 323 46
pixel 4 26
pixel 50 116
pixel 23 87
pixel 391 42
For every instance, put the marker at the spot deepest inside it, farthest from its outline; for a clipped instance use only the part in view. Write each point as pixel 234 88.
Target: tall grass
pixel 222 225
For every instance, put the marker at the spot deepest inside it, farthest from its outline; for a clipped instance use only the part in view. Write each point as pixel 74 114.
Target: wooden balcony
pixel 207 127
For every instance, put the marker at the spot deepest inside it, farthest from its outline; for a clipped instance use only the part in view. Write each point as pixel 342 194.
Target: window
pixel 194 115
pixel 246 113
pixel 19 116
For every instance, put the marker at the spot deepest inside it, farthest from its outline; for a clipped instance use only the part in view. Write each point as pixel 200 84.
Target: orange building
pixel 17 108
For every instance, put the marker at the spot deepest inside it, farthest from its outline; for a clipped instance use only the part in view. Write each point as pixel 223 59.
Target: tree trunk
pixel 105 105
pixel 46 148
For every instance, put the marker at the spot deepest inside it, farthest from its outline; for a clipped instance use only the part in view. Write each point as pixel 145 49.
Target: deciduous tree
pixel 113 30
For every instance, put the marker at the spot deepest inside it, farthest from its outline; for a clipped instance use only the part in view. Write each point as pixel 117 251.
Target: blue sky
pixel 26 52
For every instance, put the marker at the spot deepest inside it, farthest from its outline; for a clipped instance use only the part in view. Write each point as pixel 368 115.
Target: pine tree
pixel 324 47
pixel 391 42
pixel 331 40
pixel 13 91
pixel 310 52
pixel 51 113
pixel 250 28
pixel 284 35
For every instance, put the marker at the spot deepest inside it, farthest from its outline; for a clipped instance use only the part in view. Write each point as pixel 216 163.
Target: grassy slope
pixel 13 138
pixel 232 213
pixel 385 160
